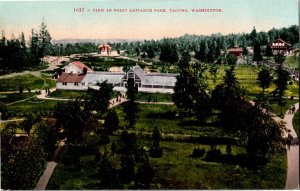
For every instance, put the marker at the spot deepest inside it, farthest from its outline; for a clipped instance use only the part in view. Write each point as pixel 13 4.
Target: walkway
pixel 44 179
pixel 292 181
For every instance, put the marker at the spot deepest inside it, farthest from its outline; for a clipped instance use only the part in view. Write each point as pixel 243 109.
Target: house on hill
pixel 238 52
pixel 146 82
pixel 77 68
pixel 279 46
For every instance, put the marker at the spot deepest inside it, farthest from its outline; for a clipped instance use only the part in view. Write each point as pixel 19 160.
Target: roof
pixel 70 78
pixel 104 46
pixel 280 42
pixel 80 65
pixel 160 79
pixel 235 50
pixel 111 77
pixel 138 71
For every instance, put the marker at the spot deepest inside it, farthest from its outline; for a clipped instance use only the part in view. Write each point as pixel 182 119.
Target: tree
pixel 168 52
pixel 257 53
pixel 108 174
pixel 23 164
pixel 269 51
pixel 99 99
pixel 72 120
pixel 30 120
pixel 281 83
pixel 47 136
pixel 156 151
pixel 263 135
pixel 231 59
pixel 44 40
pixel 279 58
pixel 213 71
pixel 131 107
pixel 201 55
pixel 111 122
pixel 264 79
pixel 3 111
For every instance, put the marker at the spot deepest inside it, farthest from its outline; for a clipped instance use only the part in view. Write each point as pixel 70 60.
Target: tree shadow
pixel 242 160
pixel 163 115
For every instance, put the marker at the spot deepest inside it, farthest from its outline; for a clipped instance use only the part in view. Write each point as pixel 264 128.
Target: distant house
pixel 146 82
pixel 238 52
pixel 279 46
pixel 77 68
pixel 104 48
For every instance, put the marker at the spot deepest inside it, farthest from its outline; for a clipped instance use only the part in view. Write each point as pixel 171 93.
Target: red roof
pixel 80 65
pixel 70 78
pixel 104 46
pixel 235 50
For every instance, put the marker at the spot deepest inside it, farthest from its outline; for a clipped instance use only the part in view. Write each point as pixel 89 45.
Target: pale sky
pixel 236 16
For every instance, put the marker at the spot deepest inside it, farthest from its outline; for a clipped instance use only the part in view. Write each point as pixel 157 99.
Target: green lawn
pixel 164 117
pixel 296 122
pixel 68 94
pixel 276 108
pixel 32 105
pixel 9 98
pixel 160 97
pixel 291 61
pixel 178 170
pixel 28 81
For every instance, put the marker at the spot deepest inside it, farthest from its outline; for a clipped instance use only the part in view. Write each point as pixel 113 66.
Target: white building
pixel 77 68
pixel 146 82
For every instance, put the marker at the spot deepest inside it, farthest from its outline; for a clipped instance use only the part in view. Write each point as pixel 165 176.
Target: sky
pixel 65 21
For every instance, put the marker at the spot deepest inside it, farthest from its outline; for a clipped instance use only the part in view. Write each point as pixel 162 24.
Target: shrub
pixel 156 152
pixel 198 152
pixel 71 156
pixel 214 152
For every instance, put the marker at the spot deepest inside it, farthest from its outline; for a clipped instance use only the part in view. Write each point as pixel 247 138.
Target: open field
pixel 28 81
pixel 178 170
pixel 68 94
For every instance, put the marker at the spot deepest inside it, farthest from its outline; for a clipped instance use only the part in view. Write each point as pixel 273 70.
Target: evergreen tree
pixel 264 79
pixel 269 52
pixel 111 122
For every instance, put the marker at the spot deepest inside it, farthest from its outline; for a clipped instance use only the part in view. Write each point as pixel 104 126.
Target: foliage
pixel 72 120
pixel 47 136
pixel 156 151
pixel 99 99
pixel 168 52
pixel 281 83
pixel 296 122
pixel 264 78
pixel 231 59
pixel 130 107
pixel 111 122
pixel 30 120
pixel 3 111
pixel 198 153
pixel 23 164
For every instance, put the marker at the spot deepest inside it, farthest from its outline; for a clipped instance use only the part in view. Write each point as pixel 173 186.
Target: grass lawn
pixel 276 108
pixel 177 170
pixel 164 117
pixel 291 61
pixel 9 98
pixel 28 81
pixel 68 94
pixel 32 105
pixel 296 122
pixel 160 97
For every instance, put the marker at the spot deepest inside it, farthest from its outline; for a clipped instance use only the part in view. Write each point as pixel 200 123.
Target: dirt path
pixel 44 179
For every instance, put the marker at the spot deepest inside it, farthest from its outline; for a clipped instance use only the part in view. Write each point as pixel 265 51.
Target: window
pixel 83 83
pixel 64 83
pixel 75 83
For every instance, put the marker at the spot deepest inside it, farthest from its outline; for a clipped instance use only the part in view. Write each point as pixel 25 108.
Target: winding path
pixel 292 181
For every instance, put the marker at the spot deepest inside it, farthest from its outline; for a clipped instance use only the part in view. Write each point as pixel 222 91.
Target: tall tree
pixel 264 79
pixel 99 99
pixel 131 107
pixel 269 51
pixel 111 122
pixel 281 83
